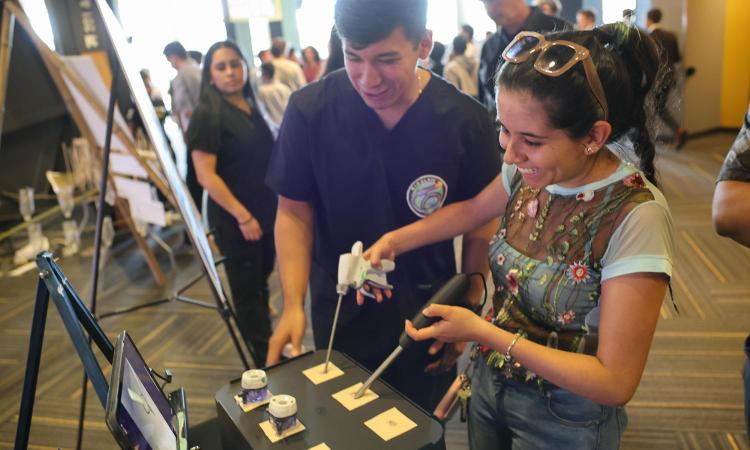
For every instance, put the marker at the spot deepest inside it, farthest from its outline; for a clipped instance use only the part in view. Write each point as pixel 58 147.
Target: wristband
pixel 507 356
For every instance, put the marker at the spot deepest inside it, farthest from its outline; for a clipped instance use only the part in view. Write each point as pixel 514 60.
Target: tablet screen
pixel 137 410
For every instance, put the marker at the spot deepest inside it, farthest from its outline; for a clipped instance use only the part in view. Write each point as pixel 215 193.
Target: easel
pixel 52 282
pixel 183 201
pixel 12 13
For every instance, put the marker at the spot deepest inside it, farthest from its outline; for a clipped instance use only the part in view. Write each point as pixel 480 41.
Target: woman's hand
pixel 381 249
pixel 251 230
pixel 457 324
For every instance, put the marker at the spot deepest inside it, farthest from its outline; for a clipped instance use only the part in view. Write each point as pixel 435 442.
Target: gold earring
pixel 589 150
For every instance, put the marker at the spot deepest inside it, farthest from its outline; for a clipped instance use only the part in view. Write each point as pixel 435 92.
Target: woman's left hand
pixel 457 324
pixel 251 230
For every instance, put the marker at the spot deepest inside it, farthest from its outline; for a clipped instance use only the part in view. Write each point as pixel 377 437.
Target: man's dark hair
pixel 469 30
pixel 364 22
pixel 175 49
pixel 654 15
pixel 267 70
pixel 278 47
pixel 459 45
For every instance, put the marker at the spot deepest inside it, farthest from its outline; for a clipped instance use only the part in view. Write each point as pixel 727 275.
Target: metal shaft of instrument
pixel 333 333
pixel 379 371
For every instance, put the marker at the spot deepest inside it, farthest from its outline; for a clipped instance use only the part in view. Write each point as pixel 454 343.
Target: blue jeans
pixel 507 414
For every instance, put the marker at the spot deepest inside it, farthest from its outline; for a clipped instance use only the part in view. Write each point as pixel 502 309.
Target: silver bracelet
pixel 507 356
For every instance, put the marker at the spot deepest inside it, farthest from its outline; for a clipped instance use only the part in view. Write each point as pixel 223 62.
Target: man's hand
pixel 291 328
pixel 381 249
pixel 448 360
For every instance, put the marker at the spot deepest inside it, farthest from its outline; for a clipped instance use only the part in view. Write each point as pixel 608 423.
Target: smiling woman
pixel 583 254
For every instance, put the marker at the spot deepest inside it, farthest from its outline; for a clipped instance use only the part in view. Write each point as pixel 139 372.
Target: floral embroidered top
pixel 556 246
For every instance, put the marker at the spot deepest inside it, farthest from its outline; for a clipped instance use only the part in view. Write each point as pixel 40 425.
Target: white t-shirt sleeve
pixel 643 242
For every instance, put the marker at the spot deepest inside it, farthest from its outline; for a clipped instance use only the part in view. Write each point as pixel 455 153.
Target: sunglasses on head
pixel 554 59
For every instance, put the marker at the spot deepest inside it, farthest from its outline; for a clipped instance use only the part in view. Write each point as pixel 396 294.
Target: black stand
pixel 76 318
pixel 98 231
pixel 177 296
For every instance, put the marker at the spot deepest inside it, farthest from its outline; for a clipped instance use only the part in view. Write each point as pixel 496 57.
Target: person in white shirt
pixel 185 90
pixel 273 95
pixel 461 70
pixel 287 72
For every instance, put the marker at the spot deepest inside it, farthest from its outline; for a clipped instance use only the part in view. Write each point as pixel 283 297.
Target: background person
pixel 273 95
pixel 467 32
pixel 583 255
pixel 287 72
pixel 585 19
pixel 461 70
pixel 312 66
pixel 731 216
pixel 549 7
pixel 185 90
pixel 511 17
pixel 335 59
pixel 230 145
pixel 673 89
pixel 436 58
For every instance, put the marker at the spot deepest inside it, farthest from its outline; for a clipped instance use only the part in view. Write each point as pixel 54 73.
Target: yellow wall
pixel 735 86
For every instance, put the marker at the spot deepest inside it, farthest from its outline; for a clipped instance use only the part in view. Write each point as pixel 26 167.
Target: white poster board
pixel 185 205
pixel 83 66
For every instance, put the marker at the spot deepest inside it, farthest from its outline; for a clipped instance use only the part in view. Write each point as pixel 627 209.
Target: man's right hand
pixel 291 328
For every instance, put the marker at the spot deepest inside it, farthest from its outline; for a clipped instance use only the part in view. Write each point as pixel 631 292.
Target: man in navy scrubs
pixel 365 150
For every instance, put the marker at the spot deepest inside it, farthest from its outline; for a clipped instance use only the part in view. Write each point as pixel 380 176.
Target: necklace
pixel 419 82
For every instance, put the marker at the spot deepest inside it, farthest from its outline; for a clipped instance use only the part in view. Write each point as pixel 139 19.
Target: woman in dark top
pixel 230 144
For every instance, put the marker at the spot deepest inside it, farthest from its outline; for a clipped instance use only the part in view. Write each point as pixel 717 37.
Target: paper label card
pixel 346 397
pixel 247 407
pixel 317 375
pixel 274 437
pixel 132 189
pixel 390 424
pixel 321 446
pixel 127 165
pixel 148 211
